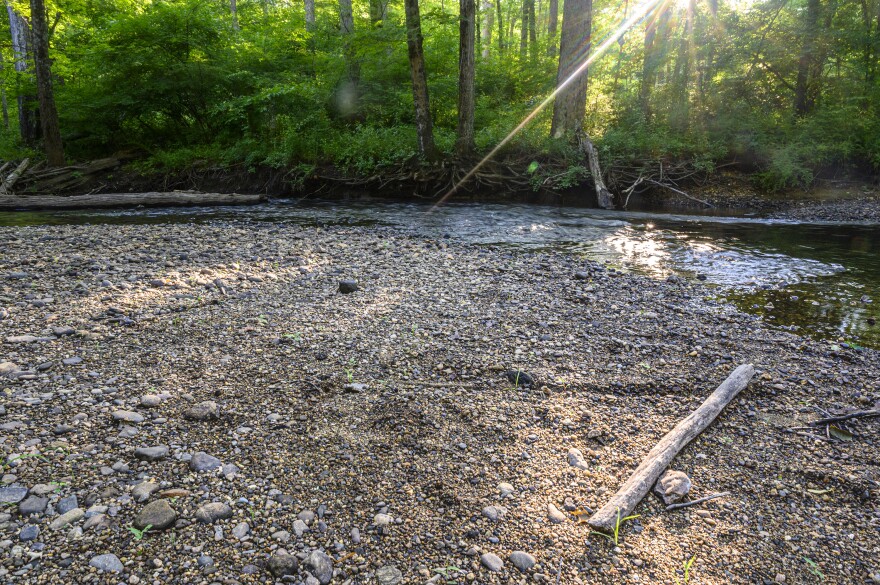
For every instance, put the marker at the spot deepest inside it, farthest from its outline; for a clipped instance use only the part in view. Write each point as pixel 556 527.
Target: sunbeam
pixel 640 12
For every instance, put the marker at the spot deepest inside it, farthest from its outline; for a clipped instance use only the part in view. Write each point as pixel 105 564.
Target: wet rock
pixel 320 565
pixel 203 462
pixel 282 564
pixel 672 486
pixel 158 514
pixel 203 411
pixel 151 453
pixel 348 286
pixel 210 513
pixel 576 459
pixel 107 562
pixel 522 560
pixel 492 562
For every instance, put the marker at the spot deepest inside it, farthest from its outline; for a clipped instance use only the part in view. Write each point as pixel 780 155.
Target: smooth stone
pixel 203 411
pixel 555 514
pixel 8 368
pixel 282 564
pixel 205 561
pixel 491 562
pixel 495 513
pixel 12 494
pixel 67 504
pixel 67 518
pixel 151 453
pixel 127 416
pixel 210 513
pixel 348 286
pixel 107 562
pixel 72 361
pixel 63 331
pixel 388 575
pixel 241 530
pixel 299 528
pixel 506 489
pixel 380 520
pixel 29 533
pixel 576 459
pixel 522 560
pixel 520 378
pixel 150 400
pixel 320 565
pixel 201 461
pixel 158 514
pixel 144 490
pixel 33 505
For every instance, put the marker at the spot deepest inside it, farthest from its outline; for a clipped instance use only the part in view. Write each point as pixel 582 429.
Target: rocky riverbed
pixel 202 404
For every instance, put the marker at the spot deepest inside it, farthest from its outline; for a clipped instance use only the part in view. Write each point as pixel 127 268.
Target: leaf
pixel 533 166
pixel 581 515
pixel 839 433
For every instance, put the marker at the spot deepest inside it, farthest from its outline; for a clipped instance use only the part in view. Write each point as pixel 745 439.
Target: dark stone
pixel 157 514
pixel 33 505
pixel 203 462
pixel 348 286
pixel 520 378
pixel 67 504
pixel 281 565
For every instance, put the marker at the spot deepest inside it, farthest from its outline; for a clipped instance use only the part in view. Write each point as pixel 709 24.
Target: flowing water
pixel 818 279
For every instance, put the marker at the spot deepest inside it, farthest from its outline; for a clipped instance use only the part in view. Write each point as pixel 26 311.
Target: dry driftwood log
pixel 640 482
pixel 603 195
pixel 14 176
pixel 172 198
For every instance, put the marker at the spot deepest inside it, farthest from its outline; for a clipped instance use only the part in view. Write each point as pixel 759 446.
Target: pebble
pixel 210 513
pixel 672 486
pixel 12 494
pixel 320 565
pixel 107 562
pixel 388 575
pixel 555 514
pixel 203 411
pixel 151 453
pixel 495 513
pixel 348 286
pixel 127 416
pixel 241 530
pixel 520 378
pixel 201 461
pixel 491 561
pixel 159 514
pixel 67 504
pixel 299 528
pixel 522 560
pixel 576 459
pixel 144 490
pixel 29 532
pixel 33 505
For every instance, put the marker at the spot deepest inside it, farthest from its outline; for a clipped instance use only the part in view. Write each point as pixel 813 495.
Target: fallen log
pixel 603 195
pixel 173 198
pixel 659 458
pixel 13 176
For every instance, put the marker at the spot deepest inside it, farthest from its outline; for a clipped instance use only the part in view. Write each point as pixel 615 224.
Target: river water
pixel 817 279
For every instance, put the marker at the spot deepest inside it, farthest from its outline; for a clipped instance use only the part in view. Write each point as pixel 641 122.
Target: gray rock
pixel 8 369
pixel 522 560
pixel 150 400
pixel 491 562
pixel 672 486
pixel 127 416
pixel 555 514
pixel 205 561
pixel 306 516
pixel 355 536
pixel 72 361
pixel 63 331
pixel 29 533
pixel 506 489
pixel 98 522
pixel 66 519
pixel 203 411
pixel 201 461
pixel 241 530
pixel 320 565
pixel 33 505
pixel 107 562
pixel 210 513
pixel 388 575
pixel 495 513
pixel 151 453
pixel 299 528
pixel 142 491
pixel 348 286
pixel 67 504
pixel 282 564
pixel 12 494
pixel 576 459
pixel 382 520
pixel 158 514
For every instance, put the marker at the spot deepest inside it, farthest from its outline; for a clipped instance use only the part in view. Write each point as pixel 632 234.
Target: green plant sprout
pixel 687 570
pixel 813 568
pixel 139 534
pixel 616 538
pixel 449 573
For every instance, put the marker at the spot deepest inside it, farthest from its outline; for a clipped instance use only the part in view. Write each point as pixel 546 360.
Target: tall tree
pixel 48 113
pixel 486 31
pixel 524 30
pixel 654 54
pixel 570 105
pixel 533 33
pixel 20 32
pixel 378 10
pixel 804 93
pixel 310 15
pixel 424 127
pixel 552 23
pixel 464 144
pixel 500 28
pixel 347 95
pixel 233 10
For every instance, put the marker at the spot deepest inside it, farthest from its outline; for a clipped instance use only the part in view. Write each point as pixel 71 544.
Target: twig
pixel 695 502
pixel 680 192
pixel 843 417
pixel 559 571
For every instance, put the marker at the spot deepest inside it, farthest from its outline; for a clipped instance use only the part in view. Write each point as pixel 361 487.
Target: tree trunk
pixel 533 31
pixel 233 9
pixel 488 21
pixel 571 103
pixel 500 28
pixel 552 23
pixel 378 10
pixel 464 144
pixel 21 48
pixel 42 65
pixel 524 30
pixel 652 59
pixel 310 15
pixel 347 95
pixel 424 128
pixel 803 96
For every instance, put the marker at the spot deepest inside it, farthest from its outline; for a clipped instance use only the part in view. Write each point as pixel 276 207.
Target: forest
pixel 785 91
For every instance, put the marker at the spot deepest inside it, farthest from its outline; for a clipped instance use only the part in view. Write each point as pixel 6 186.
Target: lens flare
pixel 640 12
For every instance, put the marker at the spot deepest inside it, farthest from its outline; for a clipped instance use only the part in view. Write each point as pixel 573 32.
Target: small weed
pixel 139 534
pixel 616 538
pixel 449 573
pixel 813 568
pixel 687 571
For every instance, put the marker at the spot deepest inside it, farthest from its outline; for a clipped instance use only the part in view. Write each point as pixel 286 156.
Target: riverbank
pixel 379 427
